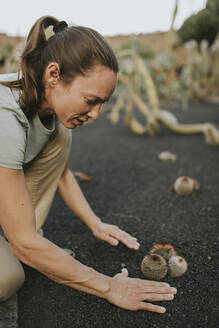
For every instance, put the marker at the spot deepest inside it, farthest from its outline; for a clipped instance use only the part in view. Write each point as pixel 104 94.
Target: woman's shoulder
pixel 5 91
pixel 9 76
pixel 6 96
pixel 9 100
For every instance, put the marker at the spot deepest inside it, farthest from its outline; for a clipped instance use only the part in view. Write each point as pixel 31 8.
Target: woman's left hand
pixel 113 235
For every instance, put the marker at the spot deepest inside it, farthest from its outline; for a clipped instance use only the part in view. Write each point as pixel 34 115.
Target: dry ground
pixel 129 187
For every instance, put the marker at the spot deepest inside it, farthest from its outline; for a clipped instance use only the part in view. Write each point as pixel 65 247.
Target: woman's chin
pixel 69 125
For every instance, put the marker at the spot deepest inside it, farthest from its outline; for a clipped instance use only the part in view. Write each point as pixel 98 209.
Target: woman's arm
pixel 17 219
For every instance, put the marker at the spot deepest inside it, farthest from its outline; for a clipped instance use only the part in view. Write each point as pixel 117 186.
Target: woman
pixel 64 82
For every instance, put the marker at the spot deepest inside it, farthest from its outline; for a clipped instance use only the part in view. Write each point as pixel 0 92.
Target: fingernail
pixel 162 310
pixel 174 290
pixel 170 296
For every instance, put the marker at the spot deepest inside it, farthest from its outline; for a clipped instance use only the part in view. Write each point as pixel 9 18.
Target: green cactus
pixel 154 266
pixel 165 250
pixel 177 266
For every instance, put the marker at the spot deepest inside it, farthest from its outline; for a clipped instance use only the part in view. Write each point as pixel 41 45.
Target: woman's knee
pixel 11 272
pixel 10 283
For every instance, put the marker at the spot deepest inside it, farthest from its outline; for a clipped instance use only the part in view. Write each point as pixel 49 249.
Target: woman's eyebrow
pixel 99 99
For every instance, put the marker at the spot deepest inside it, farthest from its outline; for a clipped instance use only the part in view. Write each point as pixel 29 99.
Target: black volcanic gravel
pixel 129 188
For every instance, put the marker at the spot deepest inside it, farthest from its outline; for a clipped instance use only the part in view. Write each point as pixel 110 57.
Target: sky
pixel 109 17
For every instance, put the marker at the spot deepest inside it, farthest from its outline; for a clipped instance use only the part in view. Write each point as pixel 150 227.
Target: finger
pixel 119 233
pixel 157 297
pixel 111 240
pixel 125 272
pixel 160 290
pixel 126 239
pixel 152 307
pixel 154 283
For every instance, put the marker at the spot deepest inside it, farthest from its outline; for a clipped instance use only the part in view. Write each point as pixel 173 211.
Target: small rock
pixel 167 156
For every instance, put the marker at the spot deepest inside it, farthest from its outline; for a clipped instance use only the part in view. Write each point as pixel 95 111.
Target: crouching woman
pixel 64 81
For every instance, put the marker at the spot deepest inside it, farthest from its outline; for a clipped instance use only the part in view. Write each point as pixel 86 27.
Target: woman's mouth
pixel 77 122
pixel 80 122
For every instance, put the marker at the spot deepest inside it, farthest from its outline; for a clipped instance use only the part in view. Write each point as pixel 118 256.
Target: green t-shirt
pixel 21 139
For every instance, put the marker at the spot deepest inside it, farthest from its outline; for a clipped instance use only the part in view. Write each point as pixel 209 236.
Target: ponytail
pixel 32 76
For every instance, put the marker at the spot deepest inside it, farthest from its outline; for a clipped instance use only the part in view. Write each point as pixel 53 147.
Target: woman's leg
pixel 11 271
pixel 42 177
pixel 43 173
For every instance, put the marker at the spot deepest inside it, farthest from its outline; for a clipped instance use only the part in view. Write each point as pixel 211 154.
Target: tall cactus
pixel 154 116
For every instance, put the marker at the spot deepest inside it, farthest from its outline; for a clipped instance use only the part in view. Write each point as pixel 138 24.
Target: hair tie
pixel 60 26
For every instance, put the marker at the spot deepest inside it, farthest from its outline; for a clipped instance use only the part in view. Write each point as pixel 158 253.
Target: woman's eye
pixel 91 102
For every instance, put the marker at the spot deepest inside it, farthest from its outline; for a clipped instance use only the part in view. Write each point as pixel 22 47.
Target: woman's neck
pixel 45 110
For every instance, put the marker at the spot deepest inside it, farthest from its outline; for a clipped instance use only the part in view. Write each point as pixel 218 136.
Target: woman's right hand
pixel 131 293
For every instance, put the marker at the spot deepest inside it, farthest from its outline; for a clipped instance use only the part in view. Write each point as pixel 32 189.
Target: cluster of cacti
pixel 163 69
pixel 163 260
pixel 13 60
pixel 200 76
pixel 138 92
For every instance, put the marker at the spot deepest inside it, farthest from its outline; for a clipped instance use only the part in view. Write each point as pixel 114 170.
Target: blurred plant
pixel 203 25
pixel 13 59
pixel 171 33
pixel 163 70
pixel 138 92
pixel 5 52
pixel 200 76
pixel 142 48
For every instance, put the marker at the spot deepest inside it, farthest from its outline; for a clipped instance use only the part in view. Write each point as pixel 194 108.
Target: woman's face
pixel 81 100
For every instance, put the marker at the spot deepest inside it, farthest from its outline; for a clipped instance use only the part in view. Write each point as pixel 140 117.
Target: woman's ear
pixel 52 74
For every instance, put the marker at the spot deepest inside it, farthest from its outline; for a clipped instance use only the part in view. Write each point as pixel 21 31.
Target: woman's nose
pixel 94 112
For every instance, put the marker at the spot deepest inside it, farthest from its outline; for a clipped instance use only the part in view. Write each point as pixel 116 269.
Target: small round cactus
pixel 184 186
pixel 154 266
pixel 164 249
pixel 167 156
pixel 177 266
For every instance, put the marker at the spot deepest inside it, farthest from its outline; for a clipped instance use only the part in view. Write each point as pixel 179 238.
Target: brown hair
pixel 76 49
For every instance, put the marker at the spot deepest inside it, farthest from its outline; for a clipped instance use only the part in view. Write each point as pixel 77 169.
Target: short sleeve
pixel 12 140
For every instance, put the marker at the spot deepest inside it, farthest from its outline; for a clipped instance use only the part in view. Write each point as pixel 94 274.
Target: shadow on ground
pixel 129 187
